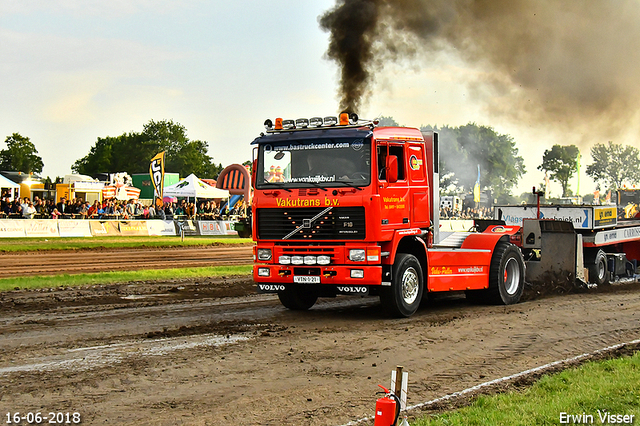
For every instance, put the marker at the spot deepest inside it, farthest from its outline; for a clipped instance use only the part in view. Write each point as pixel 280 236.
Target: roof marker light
pixel 330 121
pixel 344 118
pixel 315 122
pixel 302 123
pixel 268 124
pixel 353 118
pixel 288 124
pixel 278 124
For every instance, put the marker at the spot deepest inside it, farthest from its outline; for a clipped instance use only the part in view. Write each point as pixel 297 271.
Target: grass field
pixel 66 280
pixel 595 393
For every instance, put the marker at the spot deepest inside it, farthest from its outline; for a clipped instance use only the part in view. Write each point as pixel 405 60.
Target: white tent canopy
pixel 193 187
pixel 7 183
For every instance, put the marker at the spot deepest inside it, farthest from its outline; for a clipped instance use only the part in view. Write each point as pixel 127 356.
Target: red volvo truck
pixel 343 206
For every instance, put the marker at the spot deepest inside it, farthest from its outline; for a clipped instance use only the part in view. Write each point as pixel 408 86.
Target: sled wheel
pixel 598 270
pixel 403 297
pixel 297 298
pixel 506 275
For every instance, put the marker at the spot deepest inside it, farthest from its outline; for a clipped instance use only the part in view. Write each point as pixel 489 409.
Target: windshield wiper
pixel 279 185
pixel 317 185
pixel 349 183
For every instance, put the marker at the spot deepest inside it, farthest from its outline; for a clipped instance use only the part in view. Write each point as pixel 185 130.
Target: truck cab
pixel 343 206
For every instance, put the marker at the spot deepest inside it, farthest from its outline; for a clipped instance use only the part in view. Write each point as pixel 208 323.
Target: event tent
pixel 192 187
pixel 7 183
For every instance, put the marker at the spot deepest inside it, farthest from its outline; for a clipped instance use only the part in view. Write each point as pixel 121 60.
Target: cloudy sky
pixel 75 70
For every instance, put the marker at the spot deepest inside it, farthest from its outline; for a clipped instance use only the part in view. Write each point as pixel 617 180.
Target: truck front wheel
pixel 298 298
pixel 506 275
pixel 403 297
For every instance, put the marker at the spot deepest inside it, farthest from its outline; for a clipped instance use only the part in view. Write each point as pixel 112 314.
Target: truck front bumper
pixel 332 275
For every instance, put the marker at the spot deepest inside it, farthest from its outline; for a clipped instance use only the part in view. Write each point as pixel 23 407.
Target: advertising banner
pixel 134 227
pixel 156 171
pixel 74 228
pixel 12 228
pixel 216 227
pixel 105 228
pixel 161 227
pixel 41 228
pixel 581 217
pixel 188 227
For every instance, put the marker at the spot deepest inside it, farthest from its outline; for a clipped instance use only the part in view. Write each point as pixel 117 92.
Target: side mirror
pixel 392 169
pixel 254 167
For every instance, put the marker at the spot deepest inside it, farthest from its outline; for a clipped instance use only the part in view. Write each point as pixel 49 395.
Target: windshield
pixel 320 162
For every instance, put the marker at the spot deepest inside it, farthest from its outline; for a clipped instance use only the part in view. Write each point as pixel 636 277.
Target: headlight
pixel 285 260
pixel 357 255
pixel 310 260
pixel 263 272
pixel 264 254
pixel 297 260
pixel 324 260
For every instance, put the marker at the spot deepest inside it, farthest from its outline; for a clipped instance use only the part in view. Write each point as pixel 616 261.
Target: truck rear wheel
pixel 598 270
pixel 506 275
pixel 298 298
pixel 403 297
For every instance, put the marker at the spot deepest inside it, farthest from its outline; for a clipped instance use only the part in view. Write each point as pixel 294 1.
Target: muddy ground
pixel 211 352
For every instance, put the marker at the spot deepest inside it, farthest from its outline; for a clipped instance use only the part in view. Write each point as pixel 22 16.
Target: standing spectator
pixel 62 207
pixel 151 210
pixel 28 211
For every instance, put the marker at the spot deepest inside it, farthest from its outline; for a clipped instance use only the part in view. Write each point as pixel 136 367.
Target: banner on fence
pixel 216 227
pixel 12 228
pixel 104 228
pixel 161 227
pixel 134 227
pixel 41 228
pixel 74 228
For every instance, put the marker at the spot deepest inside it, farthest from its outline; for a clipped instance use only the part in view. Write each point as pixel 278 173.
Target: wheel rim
pixel 410 286
pixel 511 276
pixel 601 269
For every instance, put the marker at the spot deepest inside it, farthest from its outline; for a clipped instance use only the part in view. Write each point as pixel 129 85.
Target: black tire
pixel 506 275
pixel 403 297
pixel 298 298
pixel 598 269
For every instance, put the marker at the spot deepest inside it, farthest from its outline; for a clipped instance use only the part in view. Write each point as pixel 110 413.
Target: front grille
pixel 337 223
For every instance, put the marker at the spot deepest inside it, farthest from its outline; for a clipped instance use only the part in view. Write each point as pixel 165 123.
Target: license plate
pixel 306 280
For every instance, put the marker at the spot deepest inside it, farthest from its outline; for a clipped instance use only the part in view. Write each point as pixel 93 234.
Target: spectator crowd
pixel 76 208
pixel 467 213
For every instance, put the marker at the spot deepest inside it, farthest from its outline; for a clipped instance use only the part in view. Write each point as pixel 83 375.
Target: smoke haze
pixel 560 63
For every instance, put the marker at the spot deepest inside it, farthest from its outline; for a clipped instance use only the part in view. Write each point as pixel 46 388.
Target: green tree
pixel 614 164
pixel 388 122
pixel 132 152
pixel 561 162
pixel 464 148
pixel 21 155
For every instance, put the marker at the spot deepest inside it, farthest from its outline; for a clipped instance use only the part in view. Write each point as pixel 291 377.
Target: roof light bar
pixel 344 119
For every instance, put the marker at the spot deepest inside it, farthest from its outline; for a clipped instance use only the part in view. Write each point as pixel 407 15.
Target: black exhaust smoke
pixel 544 61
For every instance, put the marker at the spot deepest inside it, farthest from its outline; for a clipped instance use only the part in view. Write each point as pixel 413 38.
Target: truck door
pixel 394 195
pixel 418 186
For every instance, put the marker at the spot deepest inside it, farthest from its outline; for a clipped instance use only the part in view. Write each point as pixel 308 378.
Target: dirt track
pixel 100 260
pixel 212 352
